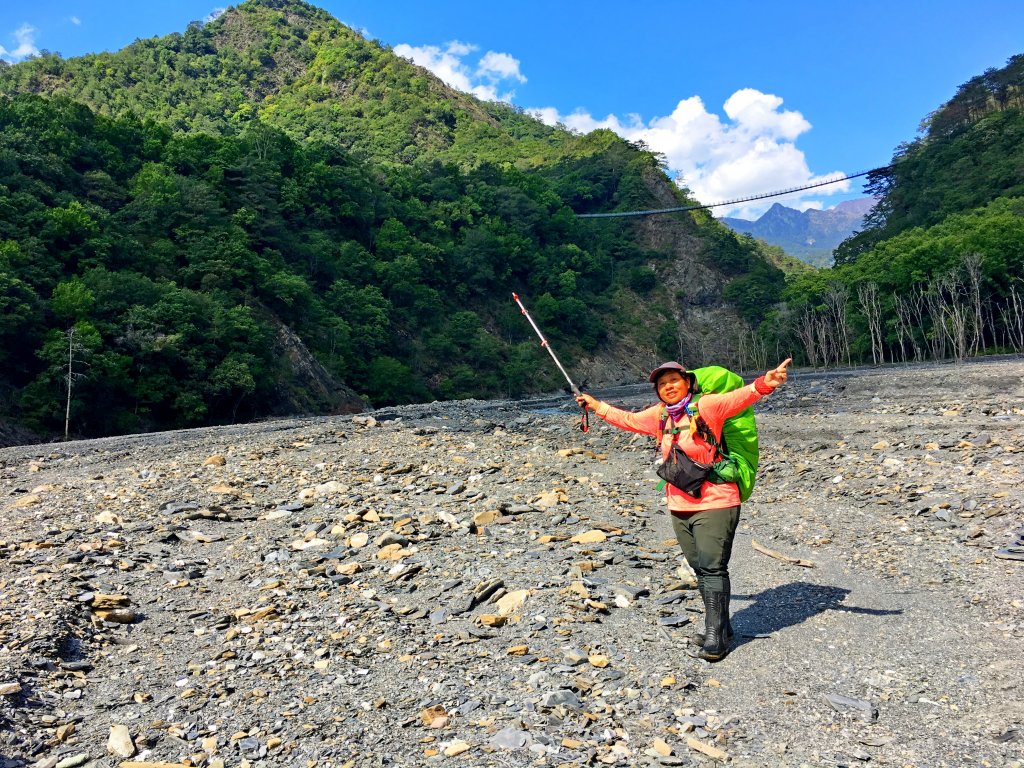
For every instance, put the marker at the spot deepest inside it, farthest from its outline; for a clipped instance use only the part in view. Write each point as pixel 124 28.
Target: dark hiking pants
pixel 706 540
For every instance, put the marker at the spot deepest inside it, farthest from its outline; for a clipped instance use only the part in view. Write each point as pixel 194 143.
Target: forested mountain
pixel 938 270
pixel 810 235
pixel 293 66
pixel 240 220
pixel 971 151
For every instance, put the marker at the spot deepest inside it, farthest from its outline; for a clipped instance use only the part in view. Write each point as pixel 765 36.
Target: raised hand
pixel 587 401
pixel 777 376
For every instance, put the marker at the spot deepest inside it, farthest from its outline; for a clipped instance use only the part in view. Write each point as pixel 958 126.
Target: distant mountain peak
pixel 860 206
pixel 809 235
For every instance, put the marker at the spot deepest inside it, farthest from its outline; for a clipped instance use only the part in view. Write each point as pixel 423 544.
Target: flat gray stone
pixel 561 698
pixel 509 738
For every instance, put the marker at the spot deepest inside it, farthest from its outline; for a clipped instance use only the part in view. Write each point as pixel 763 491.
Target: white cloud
pixel 215 14
pixel 75 20
pixel 458 49
pixel 808 205
pixel 500 66
pixel 446 64
pixel 548 115
pixel 751 152
pixel 483 81
pixel 758 112
pixel 25 36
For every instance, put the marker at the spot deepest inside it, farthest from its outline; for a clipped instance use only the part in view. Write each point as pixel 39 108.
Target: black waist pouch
pixel 683 472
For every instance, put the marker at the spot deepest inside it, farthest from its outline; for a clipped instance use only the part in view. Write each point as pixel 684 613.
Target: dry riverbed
pixel 480 584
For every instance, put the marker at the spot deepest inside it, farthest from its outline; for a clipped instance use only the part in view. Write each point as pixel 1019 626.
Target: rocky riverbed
pixel 480 584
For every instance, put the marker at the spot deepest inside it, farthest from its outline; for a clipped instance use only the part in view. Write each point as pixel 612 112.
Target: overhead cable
pixel 737 201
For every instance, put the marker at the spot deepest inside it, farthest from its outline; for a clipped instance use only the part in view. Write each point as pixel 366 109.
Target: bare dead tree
pixel 1013 317
pixel 780 337
pixel 867 295
pixel 783 331
pixel 904 330
pixel 726 351
pixel 971 263
pixel 71 376
pixel 687 339
pixel 743 350
pixel 1017 298
pixel 826 339
pixel 957 313
pixel 752 351
pixel 805 332
pixel 918 307
pixel 837 298
pixel 1004 326
pixel 937 337
pixel 702 346
pixel 759 349
pixel 990 322
pixel 909 309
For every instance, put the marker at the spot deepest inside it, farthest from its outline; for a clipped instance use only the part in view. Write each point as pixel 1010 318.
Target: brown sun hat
pixel 672 365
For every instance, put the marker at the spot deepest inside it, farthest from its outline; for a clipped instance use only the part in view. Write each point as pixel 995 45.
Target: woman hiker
pixel 704 523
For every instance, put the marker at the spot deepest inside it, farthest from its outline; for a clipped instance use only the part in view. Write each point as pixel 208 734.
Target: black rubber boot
pixel 699 638
pixel 716 643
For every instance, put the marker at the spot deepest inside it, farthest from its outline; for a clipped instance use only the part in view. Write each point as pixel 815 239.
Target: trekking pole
pixel 585 420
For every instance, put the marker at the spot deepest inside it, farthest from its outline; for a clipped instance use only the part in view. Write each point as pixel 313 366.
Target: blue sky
pixel 742 98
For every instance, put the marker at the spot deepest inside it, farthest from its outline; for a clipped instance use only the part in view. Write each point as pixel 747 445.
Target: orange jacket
pixel 714 409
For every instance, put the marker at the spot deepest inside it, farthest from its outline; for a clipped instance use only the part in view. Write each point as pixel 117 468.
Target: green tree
pixel 72 301
pixel 389 381
pixel 20 317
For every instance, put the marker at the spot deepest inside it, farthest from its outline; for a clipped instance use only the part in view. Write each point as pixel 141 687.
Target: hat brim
pixel 673 366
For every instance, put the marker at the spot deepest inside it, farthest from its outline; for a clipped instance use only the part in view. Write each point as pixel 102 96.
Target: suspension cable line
pixel 737 201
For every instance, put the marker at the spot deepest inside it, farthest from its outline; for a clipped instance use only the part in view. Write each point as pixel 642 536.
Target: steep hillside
pixel 970 153
pixel 293 66
pixel 177 206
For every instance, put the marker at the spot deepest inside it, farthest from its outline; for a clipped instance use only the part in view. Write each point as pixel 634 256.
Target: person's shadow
pixel 790 604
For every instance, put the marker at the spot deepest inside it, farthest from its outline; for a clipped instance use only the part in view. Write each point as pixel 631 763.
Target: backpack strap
pixel 663 420
pixel 705 431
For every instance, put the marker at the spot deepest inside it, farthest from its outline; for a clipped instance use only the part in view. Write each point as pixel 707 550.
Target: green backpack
pixel 738 452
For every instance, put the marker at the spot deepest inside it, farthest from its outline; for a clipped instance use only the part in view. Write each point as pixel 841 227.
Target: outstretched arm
pixel 645 422
pixel 717 408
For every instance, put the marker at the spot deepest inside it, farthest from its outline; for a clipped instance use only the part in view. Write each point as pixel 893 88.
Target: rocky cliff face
pixel 313 389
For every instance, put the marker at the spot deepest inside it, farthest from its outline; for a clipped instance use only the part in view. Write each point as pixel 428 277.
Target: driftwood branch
pixel 779 556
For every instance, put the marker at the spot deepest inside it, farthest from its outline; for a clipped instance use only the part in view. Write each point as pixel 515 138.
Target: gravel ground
pixel 480 584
